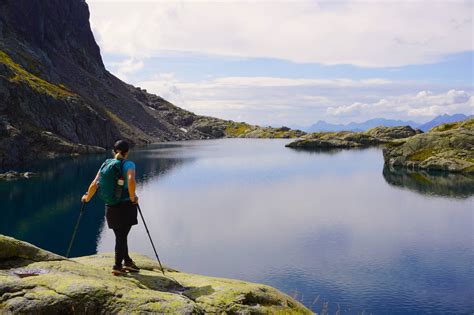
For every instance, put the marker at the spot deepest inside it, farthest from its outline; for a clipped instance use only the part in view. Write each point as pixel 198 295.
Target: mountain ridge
pixel 57 97
pixel 443 119
pixel 322 125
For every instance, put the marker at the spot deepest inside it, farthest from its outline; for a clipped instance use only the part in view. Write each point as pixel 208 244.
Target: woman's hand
pixel 92 189
pixel 85 198
pixel 134 200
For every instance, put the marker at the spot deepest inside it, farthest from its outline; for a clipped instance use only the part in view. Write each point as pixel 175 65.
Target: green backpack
pixel 109 174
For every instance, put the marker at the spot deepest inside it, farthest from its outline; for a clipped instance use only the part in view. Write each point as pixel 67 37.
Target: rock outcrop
pixel 448 147
pixel 350 139
pixel 57 97
pixel 11 175
pixel 232 129
pixel 34 281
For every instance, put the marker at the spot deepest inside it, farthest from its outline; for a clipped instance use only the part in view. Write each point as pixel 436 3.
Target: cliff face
pixel 57 97
pixel 55 92
pixel 59 28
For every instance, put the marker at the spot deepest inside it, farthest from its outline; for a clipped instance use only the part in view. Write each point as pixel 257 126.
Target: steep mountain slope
pixel 57 97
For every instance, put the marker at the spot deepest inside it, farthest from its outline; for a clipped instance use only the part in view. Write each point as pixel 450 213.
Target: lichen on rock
pixel 448 147
pixel 351 139
pixel 85 285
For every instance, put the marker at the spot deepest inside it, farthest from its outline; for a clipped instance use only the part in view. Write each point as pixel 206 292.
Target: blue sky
pixel 293 63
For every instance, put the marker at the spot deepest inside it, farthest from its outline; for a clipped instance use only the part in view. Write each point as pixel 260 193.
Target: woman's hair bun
pixel 121 146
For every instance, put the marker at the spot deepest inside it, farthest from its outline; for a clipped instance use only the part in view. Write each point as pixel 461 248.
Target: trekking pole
pixel 75 229
pixel 151 241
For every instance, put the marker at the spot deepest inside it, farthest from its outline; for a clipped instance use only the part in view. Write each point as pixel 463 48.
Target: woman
pixel 120 217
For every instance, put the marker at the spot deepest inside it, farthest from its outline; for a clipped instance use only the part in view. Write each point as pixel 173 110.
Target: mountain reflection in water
pixel 327 226
pixel 455 185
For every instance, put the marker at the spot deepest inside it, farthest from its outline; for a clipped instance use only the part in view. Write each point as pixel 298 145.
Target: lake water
pixel 333 229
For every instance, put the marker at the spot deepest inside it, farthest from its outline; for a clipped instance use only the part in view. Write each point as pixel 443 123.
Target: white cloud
pixel 128 66
pixel 364 33
pixel 347 110
pixel 286 101
pixel 422 105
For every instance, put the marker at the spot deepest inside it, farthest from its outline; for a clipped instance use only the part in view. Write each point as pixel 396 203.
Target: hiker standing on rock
pixel 115 182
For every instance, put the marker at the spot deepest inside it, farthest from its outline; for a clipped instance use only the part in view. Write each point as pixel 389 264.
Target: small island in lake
pixel 352 139
pixel 447 147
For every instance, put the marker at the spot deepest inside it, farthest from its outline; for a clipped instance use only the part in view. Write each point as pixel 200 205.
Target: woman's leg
pixel 121 248
pixel 126 257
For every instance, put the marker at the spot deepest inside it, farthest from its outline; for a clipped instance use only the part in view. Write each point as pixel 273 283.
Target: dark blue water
pixel 334 229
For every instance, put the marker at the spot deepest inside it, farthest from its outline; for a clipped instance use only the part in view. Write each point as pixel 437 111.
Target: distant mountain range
pixel 371 123
pixel 442 119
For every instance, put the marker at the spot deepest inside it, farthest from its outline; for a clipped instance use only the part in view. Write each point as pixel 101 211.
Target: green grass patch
pixel 394 144
pixel 237 129
pixel 421 155
pixel 20 75
pixel 116 118
pixel 468 123
pixel 446 127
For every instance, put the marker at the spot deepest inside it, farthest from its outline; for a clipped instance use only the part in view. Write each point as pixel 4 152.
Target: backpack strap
pixel 122 163
pixel 103 165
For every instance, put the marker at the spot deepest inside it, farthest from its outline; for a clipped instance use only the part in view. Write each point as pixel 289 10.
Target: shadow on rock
pixel 444 184
pixel 158 283
pixel 196 292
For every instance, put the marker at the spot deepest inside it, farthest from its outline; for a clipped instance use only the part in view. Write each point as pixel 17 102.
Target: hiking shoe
pixel 130 266
pixel 118 271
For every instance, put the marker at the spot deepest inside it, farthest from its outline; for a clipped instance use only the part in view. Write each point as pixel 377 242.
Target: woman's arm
pixel 92 189
pixel 132 185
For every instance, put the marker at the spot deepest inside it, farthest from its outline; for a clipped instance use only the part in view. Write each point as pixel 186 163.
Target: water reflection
pixel 309 223
pixel 330 151
pixel 443 184
pixel 43 210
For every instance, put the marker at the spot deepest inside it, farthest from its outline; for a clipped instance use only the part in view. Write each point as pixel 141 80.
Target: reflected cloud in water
pixel 43 210
pixel 318 224
pixel 327 225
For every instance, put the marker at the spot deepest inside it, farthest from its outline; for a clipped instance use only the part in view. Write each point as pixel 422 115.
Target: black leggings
pixel 121 247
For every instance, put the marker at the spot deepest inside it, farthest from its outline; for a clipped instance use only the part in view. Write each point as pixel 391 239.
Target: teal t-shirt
pixel 127 165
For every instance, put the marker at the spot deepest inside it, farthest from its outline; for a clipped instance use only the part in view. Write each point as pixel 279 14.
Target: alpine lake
pixel 334 229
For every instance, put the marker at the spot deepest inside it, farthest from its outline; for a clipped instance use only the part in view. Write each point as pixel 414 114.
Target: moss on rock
pixel 448 147
pixel 85 285
pixel 351 139
pixel 36 83
pixel 244 130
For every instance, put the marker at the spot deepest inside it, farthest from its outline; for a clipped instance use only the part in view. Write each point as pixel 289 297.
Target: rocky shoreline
pixel 448 147
pixel 350 139
pixel 10 175
pixel 35 281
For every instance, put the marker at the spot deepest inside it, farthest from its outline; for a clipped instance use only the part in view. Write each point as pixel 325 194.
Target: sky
pixel 294 62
